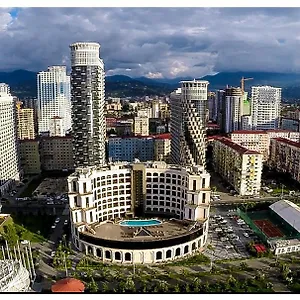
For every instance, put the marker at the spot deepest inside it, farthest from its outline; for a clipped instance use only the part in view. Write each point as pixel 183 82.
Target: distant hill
pixel 23 83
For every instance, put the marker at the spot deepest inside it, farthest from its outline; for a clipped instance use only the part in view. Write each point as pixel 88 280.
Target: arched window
pixel 117 256
pixel 99 252
pixel 107 254
pixel 127 256
pixel 158 255
pixel 177 252
pixel 194 246
pixel 90 250
pixel 186 249
pixel 169 254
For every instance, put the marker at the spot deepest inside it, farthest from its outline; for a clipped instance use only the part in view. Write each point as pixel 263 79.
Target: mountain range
pixel 23 83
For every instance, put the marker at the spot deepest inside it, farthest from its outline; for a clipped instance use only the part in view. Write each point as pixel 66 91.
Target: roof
pixel 240 149
pixel 68 285
pixel 286 141
pixel 288 211
pixel 162 136
pixel 249 132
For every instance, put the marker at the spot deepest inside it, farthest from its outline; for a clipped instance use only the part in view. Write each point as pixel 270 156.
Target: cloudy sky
pixel 155 42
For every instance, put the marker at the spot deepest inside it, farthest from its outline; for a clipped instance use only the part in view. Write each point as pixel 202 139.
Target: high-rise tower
pixel 53 91
pixel 9 152
pixel 189 114
pixel 88 103
pixel 265 107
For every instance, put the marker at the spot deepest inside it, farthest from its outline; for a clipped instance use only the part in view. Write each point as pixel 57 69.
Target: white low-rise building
pixel 176 198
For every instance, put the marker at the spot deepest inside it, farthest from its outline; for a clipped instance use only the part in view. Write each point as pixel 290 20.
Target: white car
pixel 52 253
pixel 224 239
pixel 228 247
pixel 57 220
pixel 218 230
pixel 223 222
pixel 66 222
pixel 53 226
pixel 245 234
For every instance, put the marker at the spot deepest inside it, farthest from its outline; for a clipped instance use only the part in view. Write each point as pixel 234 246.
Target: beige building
pixel 259 140
pixel 57 126
pixel 164 110
pixel 162 148
pixel 241 167
pixel 57 153
pixel 30 157
pixel 141 126
pixel 285 157
pixel 25 122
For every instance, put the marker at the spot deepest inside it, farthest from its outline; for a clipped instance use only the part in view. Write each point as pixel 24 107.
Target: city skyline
pixel 180 41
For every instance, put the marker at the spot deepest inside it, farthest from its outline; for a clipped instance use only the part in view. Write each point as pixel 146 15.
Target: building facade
pixel 30 157
pixel 240 167
pixel 162 148
pixel 99 197
pixel 141 125
pixel 189 116
pixel 53 91
pixel 265 107
pixel 56 153
pixel 25 122
pixel 9 152
pixel 259 140
pixel 285 157
pixel 88 104
pixel 290 124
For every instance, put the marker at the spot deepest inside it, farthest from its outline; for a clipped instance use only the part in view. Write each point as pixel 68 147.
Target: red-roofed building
pixel 240 166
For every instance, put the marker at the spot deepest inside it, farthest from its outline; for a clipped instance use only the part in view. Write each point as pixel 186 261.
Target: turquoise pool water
pixel 140 223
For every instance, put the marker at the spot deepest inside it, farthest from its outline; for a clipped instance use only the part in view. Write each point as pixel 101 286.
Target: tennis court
pixel 268 228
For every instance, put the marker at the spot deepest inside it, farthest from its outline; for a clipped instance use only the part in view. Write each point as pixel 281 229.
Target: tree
pixel 105 287
pixel 10 234
pixel 93 286
pixel 163 286
pixel 196 284
pixel 176 288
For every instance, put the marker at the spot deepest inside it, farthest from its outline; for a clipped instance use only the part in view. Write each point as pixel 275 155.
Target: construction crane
pixel 243 83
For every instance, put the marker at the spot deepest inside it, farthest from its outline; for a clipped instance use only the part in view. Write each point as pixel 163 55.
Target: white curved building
pixel 13 277
pixel 177 198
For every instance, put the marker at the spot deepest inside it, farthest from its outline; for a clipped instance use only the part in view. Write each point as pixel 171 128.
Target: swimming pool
pixel 140 223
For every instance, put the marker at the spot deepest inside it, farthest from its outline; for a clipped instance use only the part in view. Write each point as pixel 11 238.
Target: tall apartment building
pixel 9 152
pixel 53 91
pixel 162 148
pixel 30 157
pixel 220 100
pixel 265 107
pixel 141 125
pixel 32 103
pixel 259 140
pixel 88 104
pixel 189 114
pixel 56 153
pixel 241 167
pixel 232 110
pixel 25 122
pixel 285 157
pixel 212 106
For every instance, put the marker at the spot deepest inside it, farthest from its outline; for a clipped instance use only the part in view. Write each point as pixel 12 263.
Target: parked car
pixel 57 220
pixel 53 226
pixel 245 234
pixel 66 222
pixel 218 229
pixel 229 247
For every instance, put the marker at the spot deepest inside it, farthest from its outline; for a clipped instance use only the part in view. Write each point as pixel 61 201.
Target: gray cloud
pixel 155 42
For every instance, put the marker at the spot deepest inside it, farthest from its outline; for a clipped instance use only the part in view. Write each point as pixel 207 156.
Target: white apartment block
pixel 9 156
pixel 285 157
pixel 265 107
pixel 241 167
pixel 141 126
pixel 259 140
pixel 57 127
pixel 54 99
pixel 162 148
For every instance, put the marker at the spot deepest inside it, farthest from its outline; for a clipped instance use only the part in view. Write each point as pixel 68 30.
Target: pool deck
pixel 168 229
